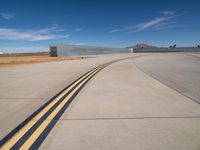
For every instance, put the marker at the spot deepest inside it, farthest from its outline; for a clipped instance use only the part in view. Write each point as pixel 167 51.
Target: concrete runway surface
pixel 150 101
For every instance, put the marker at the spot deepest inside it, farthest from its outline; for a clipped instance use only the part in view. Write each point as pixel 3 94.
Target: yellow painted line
pixel 23 130
pixel 42 127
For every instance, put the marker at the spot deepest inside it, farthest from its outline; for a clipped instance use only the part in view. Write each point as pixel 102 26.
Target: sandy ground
pixel 7 61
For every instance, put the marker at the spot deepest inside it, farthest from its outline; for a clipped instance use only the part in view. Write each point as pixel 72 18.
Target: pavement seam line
pixel 41 128
pixel 29 122
pixel 28 125
pixel 133 118
pixel 155 78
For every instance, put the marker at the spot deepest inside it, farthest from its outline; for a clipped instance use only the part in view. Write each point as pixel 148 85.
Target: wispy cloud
pixel 168 25
pixel 161 22
pixel 116 30
pixel 33 35
pixel 7 16
pixel 168 12
pixel 152 23
pixel 78 29
pixel 55 28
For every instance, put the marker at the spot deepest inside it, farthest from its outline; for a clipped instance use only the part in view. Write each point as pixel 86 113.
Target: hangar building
pixel 73 50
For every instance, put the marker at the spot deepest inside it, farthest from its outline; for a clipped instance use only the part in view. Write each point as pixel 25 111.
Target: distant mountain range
pixel 141 46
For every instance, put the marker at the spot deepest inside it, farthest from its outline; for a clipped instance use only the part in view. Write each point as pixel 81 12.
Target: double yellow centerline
pixel 60 100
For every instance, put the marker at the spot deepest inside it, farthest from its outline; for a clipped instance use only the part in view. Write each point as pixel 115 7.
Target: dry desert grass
pixel 7 60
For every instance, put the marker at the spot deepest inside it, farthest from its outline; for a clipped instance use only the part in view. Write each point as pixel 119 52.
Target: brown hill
pixel 141 46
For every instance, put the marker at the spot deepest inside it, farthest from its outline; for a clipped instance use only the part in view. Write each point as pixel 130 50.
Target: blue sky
pixel 31 25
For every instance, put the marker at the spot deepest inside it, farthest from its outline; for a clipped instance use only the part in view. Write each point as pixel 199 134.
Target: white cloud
pixel 159 22
pixel 33 35
pixel 7 16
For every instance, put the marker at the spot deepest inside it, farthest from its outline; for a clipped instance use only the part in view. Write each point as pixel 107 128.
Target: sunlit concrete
pixel 138 103
pixel 23 89
pixel 125 108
